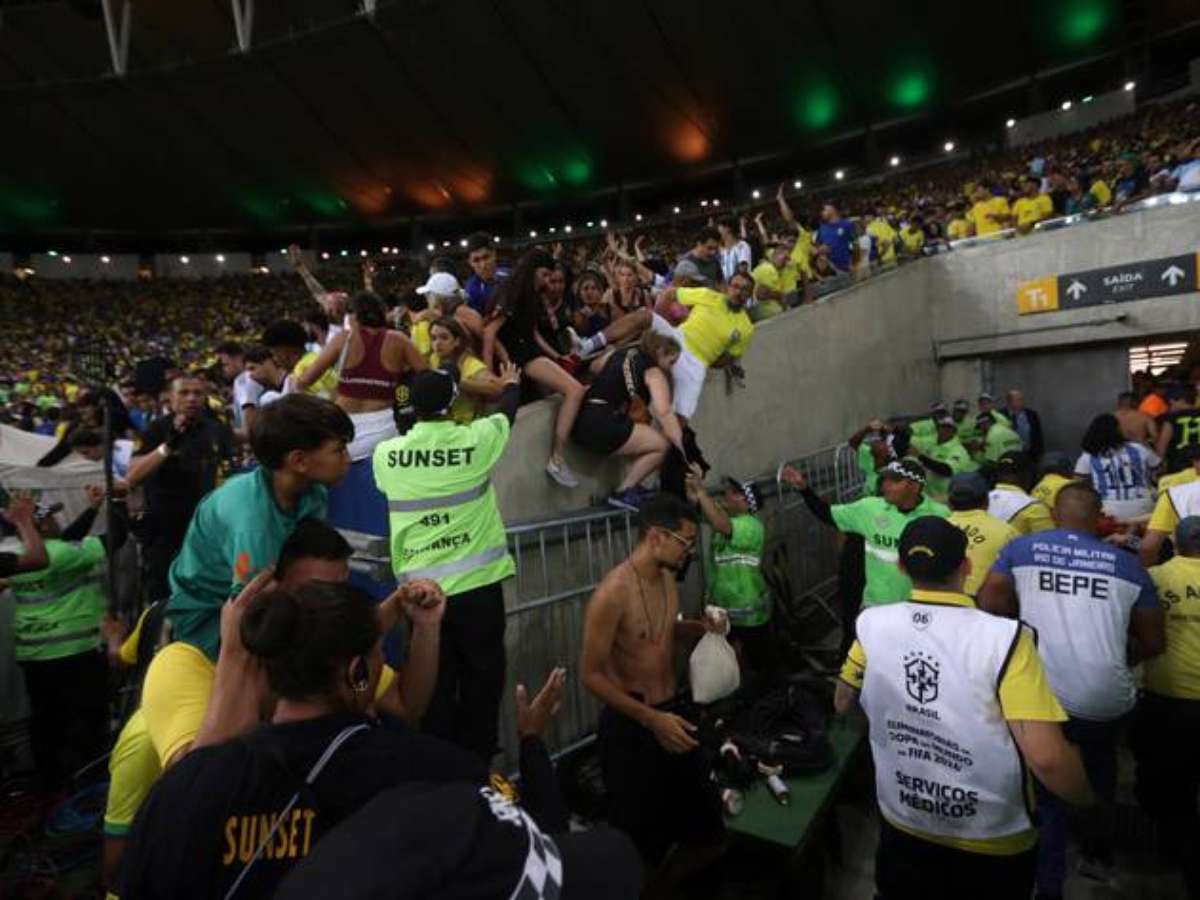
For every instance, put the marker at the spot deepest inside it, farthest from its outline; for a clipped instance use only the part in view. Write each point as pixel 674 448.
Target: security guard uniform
pixel 445 526
pixel 57 626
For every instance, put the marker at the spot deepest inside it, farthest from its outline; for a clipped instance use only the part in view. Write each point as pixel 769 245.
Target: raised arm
pixel 717 517
pixel 19 512
pixel 310 281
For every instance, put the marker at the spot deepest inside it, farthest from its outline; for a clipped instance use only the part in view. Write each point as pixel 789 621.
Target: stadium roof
pixel 336 115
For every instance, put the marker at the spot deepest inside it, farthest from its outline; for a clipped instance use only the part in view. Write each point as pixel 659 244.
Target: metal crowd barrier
pixel 561 561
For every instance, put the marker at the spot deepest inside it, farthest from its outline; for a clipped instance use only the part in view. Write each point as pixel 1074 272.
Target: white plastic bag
pixel 713 665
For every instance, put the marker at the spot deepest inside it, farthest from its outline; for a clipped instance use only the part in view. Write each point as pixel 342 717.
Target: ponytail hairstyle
pixel 368 310
pixel 307 636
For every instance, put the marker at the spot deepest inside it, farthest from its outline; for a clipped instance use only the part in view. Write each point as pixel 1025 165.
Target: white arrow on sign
pixel 1076 289
pixel 1172 275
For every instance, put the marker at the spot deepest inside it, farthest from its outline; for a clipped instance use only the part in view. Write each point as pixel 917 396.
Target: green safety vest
pixel 953 454
pixel 442 511
pixel 736 581
pixel 59 608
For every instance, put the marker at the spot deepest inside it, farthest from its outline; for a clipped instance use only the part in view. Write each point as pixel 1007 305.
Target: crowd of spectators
pixel 258 411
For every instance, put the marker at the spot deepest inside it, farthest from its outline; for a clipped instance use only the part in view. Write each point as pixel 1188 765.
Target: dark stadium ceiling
pixel 446 108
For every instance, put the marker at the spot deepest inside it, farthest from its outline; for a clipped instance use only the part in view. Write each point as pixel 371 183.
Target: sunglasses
pixel 687 543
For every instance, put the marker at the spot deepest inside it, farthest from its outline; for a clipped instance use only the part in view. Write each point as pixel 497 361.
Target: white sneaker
pixel 577 345
pixel 561 473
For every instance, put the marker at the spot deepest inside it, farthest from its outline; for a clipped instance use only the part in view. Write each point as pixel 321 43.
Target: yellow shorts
pixel 179 682
pixel 133 768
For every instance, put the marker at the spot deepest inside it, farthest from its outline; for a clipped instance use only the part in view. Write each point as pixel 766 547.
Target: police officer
pixel 1095 610
pixel 445 526
pixel 955 699
pixel 57 617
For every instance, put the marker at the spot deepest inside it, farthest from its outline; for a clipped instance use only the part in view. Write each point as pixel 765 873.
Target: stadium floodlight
pixel 105 260
pixel 1010 123
pixel 186 260
pixel 52 253
pixel 638 217
pixel 948 146
pixel 1088 99
pixel 591 224
pixel 362 253
pixel 604 223
pixel 568 229
pixel 532 233
pixel 463 243
pixel 1130 85
pixel 345 253
pixel 797 184
pixel 839 174
pixel 496 239
pixel 704 203
pixel 445 243
pixel 1066 104
pixel 894 161
pixel 553 230
pixel 324 254
pixel 716 203
pixel 675 209
pixel 221 257
pixel 67 260
pixel 755 194
pixel 431 247
pixel 384 249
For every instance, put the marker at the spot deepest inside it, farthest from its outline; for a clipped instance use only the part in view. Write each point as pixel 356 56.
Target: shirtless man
pixel 1135 424
pixel 659 790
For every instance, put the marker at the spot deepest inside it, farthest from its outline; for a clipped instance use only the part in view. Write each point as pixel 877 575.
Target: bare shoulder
pixel 611 591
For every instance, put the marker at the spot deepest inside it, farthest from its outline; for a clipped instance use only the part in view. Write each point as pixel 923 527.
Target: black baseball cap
pixel 967 489
pixel 461 842
pixel 432 392
pixel 931 548
pixel 984 417
pixel 747 489
pixel 962 405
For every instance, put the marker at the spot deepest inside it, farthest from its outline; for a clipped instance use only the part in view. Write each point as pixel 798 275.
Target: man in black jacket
pixel 1025 422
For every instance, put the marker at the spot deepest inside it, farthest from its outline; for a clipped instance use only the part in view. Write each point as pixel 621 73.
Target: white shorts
pixel 687 375
pixel 370 428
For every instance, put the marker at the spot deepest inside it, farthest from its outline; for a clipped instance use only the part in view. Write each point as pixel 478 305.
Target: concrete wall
pixel 974 289
pixel 813 376
pixel 891 345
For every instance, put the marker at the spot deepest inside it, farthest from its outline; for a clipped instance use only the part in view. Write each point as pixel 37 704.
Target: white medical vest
pixel 945 762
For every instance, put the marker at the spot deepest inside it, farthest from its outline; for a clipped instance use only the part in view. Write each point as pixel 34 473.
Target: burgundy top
pixel 369 380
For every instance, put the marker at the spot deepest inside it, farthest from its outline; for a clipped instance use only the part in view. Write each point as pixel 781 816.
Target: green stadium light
pixel 1083 21
pixel 911 90
pixel 817 106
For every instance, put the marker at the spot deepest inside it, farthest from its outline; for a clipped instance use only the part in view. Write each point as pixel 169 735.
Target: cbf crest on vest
pixel 921 674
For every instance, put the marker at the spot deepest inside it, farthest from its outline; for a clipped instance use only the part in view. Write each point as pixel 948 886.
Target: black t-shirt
pixel 622 378
pixel 179 485
pixel 207 815
pixel 8 564
pixel 1185 433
